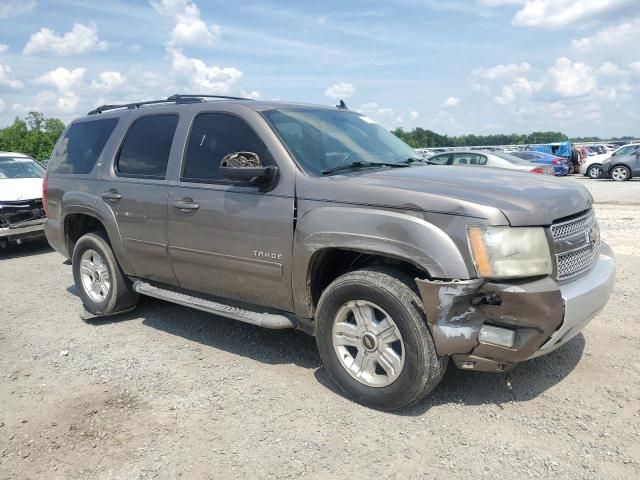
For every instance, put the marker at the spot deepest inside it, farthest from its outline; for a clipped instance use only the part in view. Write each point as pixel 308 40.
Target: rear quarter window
pixel 78 150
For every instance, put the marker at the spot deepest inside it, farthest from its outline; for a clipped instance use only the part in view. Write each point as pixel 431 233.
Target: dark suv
pixel 300 216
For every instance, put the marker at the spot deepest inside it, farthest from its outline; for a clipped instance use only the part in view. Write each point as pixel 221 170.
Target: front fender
pixel 87 204
pixel 398 235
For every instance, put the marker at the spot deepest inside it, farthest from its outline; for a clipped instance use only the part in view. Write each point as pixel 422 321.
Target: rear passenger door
pixel 226 238
pixel 137 193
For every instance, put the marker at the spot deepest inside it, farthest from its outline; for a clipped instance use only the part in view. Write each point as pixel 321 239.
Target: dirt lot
pixel 167 392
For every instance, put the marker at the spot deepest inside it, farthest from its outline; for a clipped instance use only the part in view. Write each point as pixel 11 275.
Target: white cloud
pixel 194 74
pixel 109 81
pixel 51 103
pixel 3 47
pixel 413 115
pixel 253 94
pixel 62 79
pixel 7 79
pixel 520 88
pixel 634 66
pixel 611 70
pixel 3 105
pixel 562 13
pixel 384 115
pixel 571 79
pixel 340 90
pixel 482 77
pixel 81 39
pixel 189 29
pixel 451 102
pixel 616 36
pixel 15 8
pixel 500 3
pixel 559 110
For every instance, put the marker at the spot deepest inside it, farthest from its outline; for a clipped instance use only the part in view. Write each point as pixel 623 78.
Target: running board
pixel 266 320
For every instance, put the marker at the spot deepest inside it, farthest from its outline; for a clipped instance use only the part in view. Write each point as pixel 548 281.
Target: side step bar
pixel 267 320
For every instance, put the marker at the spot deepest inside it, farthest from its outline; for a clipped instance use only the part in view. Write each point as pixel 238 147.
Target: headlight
pixel 509 252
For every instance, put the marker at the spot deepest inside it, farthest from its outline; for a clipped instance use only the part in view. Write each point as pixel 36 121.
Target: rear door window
pixel 146 147
pixel 469 159
pixel 440 159
pixel 79 149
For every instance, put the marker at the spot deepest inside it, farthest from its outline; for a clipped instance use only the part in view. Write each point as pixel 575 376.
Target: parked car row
pixel 625 161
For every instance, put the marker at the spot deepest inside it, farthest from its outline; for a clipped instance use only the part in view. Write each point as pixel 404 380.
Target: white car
pixel 21 212
pixel 591 166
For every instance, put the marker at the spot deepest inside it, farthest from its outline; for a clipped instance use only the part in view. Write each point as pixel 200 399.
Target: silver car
pixel 488 159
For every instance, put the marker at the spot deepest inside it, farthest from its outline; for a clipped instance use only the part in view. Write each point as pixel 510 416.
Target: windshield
pixel 321 140
pixel 12 167
pixel 511 158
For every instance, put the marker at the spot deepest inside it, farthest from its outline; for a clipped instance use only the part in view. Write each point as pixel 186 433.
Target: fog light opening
pixel 502 337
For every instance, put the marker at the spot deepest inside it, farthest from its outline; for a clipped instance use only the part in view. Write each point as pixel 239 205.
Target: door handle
pixel 111 195
pixel 186 205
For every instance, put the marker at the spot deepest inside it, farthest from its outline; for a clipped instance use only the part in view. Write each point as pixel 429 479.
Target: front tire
pixel 373 339
pixel 620 173
pixel 593 171
pixel 103 287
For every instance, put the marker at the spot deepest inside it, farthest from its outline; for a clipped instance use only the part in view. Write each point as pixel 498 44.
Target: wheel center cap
pixel 369 341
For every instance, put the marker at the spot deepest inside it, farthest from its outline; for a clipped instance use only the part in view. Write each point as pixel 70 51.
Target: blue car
pixel 559 164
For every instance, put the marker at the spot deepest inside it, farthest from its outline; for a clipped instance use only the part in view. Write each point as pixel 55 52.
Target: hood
pixel 523 198
pixel 12 189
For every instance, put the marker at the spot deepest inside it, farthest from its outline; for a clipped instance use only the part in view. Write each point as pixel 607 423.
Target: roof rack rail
pixel 177 98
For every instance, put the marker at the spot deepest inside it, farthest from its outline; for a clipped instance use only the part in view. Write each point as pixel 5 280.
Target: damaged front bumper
pixel 536 316
pixel 20 220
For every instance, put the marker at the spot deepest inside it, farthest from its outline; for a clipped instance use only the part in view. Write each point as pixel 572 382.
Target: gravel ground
pixel 167 392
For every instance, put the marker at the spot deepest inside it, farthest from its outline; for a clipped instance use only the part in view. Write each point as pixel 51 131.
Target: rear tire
pixel 593 171
pixel 620 173
pixel 373 339
pixel 103 287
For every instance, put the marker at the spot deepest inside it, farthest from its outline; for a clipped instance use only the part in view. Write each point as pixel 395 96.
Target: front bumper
pixel 33 228
pixel 542 314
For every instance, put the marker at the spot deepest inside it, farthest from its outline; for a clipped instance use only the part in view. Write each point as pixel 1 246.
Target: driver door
pixel 226 238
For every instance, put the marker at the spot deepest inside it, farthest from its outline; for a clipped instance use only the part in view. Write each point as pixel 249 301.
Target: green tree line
pixel 421 138
pixel 34 135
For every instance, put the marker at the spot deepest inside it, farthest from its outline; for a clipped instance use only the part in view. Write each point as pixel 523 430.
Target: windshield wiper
pixel 412 160
pixel 360 164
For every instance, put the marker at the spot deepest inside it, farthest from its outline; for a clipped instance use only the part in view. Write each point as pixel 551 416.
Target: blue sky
pixel 455 66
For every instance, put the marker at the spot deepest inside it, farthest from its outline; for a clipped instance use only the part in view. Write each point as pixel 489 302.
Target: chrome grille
pixel 573 227
pixel 576 245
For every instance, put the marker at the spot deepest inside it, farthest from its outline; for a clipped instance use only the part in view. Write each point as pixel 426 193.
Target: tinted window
pixel 145 150
pixel 213 136
pixel 79 149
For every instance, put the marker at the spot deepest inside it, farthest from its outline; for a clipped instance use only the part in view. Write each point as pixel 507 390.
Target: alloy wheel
pixel 620 174
pixel 368 343
pixel 95 276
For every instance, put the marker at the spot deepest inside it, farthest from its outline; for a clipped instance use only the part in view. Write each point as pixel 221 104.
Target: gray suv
pixel 316 218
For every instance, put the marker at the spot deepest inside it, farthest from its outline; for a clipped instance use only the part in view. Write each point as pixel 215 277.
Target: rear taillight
pixel 44 192
pixel 537 170
pixel 556 162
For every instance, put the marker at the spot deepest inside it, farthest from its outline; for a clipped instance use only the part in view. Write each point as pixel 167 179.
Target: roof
pixel 190 99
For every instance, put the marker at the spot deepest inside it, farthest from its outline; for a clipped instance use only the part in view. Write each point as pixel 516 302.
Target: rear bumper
pixel 542 315
pixel 33 228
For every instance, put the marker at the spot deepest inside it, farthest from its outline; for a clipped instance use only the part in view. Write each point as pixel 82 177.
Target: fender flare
pixel 87 204
pixel 397 235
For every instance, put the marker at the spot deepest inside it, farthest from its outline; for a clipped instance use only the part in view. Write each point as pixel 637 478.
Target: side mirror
pixel 246 167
